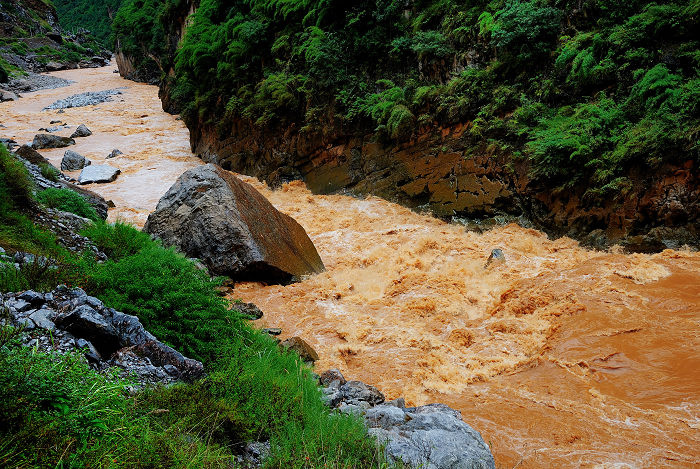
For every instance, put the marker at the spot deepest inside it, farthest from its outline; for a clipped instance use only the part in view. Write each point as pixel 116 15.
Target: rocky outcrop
pixel 99 173
pixel 212 215
pixel 73 161
pixel 69 320
pixel 432 436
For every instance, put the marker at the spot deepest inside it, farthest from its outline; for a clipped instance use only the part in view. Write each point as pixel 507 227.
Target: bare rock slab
pixel 429 437
pixel 212 215
pixel 95 173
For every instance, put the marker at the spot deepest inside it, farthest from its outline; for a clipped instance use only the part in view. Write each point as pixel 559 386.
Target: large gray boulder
pixel 428 437
pixel 51 141
pixel 73 161
pixel 212 215
pixel 98 174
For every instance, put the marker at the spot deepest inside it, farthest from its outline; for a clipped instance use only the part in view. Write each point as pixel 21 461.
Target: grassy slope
pixel 54 410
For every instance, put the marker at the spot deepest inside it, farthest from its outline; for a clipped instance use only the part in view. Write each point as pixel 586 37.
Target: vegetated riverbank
pixel 581 117
pixel 55 409
pixel 560 357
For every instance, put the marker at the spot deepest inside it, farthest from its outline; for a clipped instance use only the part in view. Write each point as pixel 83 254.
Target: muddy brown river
pixel 561 357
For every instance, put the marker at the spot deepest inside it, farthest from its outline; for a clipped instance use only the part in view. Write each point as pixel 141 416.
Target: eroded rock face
pixel 212 215
pixel 440 170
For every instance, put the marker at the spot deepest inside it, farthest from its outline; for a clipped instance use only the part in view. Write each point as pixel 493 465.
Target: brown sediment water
pixel 561 357
pixel 154 144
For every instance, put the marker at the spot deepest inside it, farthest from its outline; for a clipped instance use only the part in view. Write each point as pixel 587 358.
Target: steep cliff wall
pixel 441 170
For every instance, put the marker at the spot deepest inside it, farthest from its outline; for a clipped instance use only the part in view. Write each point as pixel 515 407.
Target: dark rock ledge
pixel 67 320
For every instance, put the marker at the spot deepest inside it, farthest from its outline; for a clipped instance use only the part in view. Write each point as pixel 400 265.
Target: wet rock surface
pixel 90 98
pixel 81 131
pixel 51 141
pixel 73 161
pixel 67 320
pixel 98 174
pixel 432 436
pixel 212 215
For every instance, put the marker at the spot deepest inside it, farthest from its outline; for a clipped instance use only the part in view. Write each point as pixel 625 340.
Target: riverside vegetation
pixel 56 411
pixel 584 92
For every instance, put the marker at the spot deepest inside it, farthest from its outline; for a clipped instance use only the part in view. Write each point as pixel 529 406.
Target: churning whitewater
pixel 560 357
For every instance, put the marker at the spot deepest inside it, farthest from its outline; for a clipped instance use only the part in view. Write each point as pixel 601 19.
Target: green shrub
pixel 49 172
pixel 117 240
pixel 67 201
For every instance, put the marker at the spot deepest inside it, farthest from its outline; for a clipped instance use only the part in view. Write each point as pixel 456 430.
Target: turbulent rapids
pixel 560 357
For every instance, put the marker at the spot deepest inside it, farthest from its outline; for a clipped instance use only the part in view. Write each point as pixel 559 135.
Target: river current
pixel 560 357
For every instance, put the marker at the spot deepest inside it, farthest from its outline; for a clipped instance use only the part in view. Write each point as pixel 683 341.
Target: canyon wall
pixel 439 170
pixel 445 170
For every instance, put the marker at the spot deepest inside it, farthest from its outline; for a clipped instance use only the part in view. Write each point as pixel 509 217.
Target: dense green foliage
pixel 585 90
pixel 93 15
pixel 56 412
pixel 68 201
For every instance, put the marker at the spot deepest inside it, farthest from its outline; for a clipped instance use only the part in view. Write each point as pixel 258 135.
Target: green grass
pixel 67 201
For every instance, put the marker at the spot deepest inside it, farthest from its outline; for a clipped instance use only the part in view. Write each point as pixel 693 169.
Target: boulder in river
pixel 114 153
pixel 98 174
pixel 212 215
pixel 81 131
pixel 73 161
pixel 51 141
pixel 6 95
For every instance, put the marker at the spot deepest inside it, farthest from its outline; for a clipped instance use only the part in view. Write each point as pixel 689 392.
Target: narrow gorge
pixel 561 356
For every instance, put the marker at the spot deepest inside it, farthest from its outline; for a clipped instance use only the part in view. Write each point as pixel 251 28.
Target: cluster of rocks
pixel 73 161
pixel 32 159
pixel 67 320
pixel 89 98
pixel 432 436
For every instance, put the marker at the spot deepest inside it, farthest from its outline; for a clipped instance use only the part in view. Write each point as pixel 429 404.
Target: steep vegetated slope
pixel 582 115
pixel 31 39
pixel 94 15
